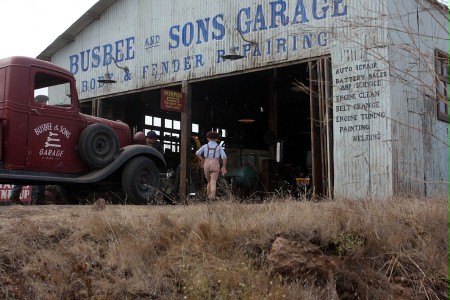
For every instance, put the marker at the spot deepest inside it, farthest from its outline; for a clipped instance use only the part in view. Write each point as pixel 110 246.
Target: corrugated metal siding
pixel 146 19
pixel 361 113
pixel 380 114
pixel 420 140
pixel 435 24
pixel 411 155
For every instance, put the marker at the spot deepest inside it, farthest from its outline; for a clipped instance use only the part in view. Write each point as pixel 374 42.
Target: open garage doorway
pixel 276 125
pixel 277 121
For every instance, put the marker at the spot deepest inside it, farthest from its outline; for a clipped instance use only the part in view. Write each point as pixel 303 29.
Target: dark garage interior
pixel 264 118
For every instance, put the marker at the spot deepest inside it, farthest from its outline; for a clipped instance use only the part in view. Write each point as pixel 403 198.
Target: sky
pixel 29 26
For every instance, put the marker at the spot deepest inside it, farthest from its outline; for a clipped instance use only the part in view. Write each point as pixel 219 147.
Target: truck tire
pixel 140 180
pixel 97 146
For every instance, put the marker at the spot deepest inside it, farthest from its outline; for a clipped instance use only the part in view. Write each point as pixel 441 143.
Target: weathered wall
pixel 419 140
pixel 387 140
pixel 163 42
pixel 362 111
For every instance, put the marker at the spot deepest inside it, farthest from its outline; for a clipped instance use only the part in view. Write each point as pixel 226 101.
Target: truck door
pixel 54 123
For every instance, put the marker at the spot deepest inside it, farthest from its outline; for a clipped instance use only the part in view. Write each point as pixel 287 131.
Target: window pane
pixel 194 127
pixel 176 125
pixel 439 66
pixel 59 94
pixel 148 120
pixel 51 90
pixel 43 91
pixel 442 107
pixel 441 88
pixel 168 123
pixel 157 121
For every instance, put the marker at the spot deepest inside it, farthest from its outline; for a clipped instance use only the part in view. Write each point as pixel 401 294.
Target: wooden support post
pixel 273 107
pixel 98 108
pixel 186 131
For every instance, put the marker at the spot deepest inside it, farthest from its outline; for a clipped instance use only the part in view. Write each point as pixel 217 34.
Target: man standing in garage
pixel 152 141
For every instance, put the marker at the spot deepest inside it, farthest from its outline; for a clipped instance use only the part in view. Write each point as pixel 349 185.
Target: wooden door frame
pixel 321 112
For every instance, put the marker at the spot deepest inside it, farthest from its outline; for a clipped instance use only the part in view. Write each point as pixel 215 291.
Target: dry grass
pixel 398 248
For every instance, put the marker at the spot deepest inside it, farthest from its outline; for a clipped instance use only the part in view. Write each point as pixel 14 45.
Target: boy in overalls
pixel 209 155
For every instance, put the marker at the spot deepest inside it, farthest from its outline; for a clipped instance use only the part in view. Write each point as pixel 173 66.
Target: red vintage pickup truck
pixel 53 143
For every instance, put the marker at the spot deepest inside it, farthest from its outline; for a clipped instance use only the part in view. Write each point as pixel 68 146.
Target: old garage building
pixel 350 94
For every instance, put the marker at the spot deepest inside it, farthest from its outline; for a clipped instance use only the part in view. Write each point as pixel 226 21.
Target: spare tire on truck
pixel 97 145
pixel 140 180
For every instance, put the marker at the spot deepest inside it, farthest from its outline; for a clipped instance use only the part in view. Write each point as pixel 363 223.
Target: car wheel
pixel 98 144
pixel 140 180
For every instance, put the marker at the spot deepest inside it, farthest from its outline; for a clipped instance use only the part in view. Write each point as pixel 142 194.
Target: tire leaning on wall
pixel 97 146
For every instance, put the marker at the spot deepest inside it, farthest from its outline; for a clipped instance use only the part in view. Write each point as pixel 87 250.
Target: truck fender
pixel 130 151
pixel 123 156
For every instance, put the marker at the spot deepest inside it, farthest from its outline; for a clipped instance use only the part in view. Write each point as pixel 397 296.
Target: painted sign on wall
pixel 357 98
pixel 172 100
pixel 192 45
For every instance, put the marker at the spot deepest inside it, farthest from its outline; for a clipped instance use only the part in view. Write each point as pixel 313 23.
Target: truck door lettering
pixel 54 130
pixel 43 127
pixel 51 153
pixel 52 143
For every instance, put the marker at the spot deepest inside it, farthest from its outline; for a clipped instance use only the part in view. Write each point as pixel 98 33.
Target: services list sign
pixel 172 100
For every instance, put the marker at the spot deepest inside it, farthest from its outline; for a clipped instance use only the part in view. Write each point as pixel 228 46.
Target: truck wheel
pixel 97 145
pixel 140 179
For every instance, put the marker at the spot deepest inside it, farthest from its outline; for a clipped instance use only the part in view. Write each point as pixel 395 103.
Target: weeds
pixel 217 250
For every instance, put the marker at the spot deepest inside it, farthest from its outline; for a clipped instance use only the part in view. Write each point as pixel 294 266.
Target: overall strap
pixel 214 154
